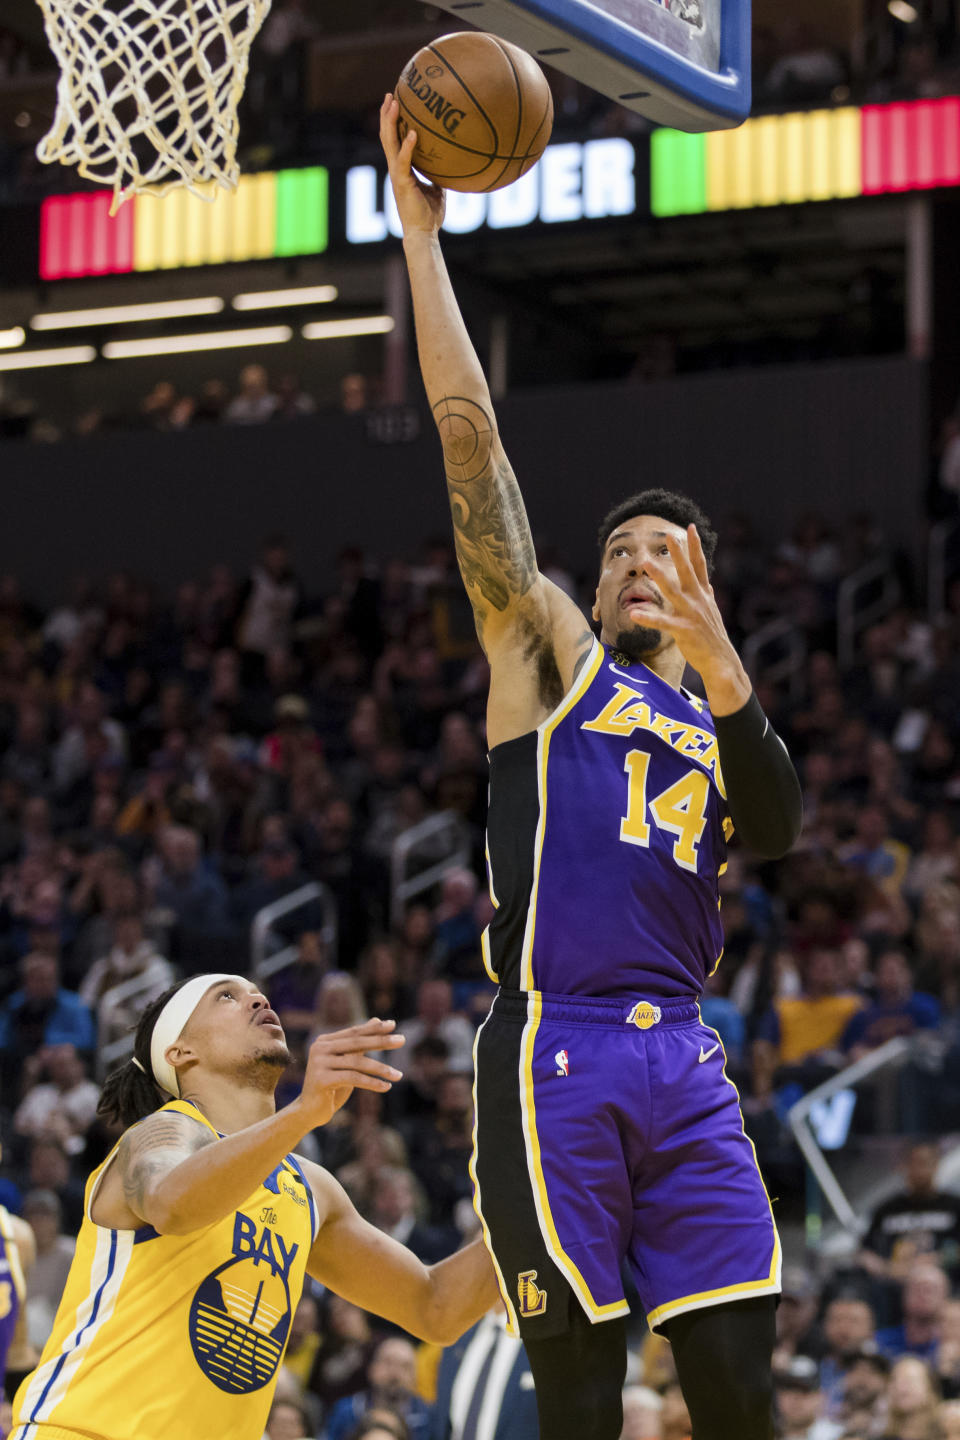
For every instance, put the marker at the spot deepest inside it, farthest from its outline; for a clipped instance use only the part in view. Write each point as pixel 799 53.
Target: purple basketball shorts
pixel 607 1131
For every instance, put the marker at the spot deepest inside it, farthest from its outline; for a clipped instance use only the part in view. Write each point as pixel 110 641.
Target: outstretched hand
pixel 339 1062
pixel 419 204
pixel 692 615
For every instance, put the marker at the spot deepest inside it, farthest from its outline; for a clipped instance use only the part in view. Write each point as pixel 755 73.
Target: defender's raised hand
pixel 420 204
pixel 692 616
pixel 338 1063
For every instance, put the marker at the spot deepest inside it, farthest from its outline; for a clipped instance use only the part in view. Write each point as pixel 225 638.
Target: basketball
pixel 481 107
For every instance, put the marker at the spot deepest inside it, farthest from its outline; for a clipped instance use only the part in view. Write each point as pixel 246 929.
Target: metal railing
pixel 894 1053
pixel 266 962
pixel 786 645
pixel 943 563
pixel 855 610
pixel 447 840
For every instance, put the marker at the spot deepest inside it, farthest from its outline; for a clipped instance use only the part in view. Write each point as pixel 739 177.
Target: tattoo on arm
pixel 494 545
pixel 152 1149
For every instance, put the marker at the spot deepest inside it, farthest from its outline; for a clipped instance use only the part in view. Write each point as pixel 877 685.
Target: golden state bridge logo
pixel 533 1300
pixel 241 1312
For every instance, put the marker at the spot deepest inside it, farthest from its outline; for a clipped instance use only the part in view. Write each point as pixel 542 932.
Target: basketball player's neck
pixel 231 1103
pixel 668 664
pixel 665 661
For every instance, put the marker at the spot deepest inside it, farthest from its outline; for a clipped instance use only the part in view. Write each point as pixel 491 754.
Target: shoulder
pixel 329 1195
pixel 144 1155
pixel 166 1129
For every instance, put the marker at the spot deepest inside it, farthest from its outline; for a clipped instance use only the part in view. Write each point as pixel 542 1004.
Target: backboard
pixel 683 63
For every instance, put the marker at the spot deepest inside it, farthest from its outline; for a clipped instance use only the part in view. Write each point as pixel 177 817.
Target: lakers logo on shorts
pixel 643 1015
pixel 533 1300
pixel 241 1313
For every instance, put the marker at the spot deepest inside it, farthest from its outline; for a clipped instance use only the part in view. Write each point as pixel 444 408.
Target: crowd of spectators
pixel 169 767
pixel 256 399
pixel 794 66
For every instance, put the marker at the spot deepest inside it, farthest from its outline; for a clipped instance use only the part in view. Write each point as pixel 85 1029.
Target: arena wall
pixel 841 437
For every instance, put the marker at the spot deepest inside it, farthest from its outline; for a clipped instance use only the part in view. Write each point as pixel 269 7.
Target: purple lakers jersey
pixel 11 1290
pixel 606 833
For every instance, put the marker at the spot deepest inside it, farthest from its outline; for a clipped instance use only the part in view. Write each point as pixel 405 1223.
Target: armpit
pixel 538 651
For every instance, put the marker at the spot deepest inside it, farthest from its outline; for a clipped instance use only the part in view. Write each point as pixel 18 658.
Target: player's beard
pixel 638 641
pixel 263 1070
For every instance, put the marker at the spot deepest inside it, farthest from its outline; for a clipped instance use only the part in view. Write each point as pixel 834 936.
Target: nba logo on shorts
pixel 533 1300
pixel 563 1062
pixel 643 1015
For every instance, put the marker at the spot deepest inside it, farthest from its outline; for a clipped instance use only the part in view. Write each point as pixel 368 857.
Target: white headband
pixel 170 1026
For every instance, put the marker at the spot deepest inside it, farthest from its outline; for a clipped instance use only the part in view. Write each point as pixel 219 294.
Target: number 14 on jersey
pixel 681 809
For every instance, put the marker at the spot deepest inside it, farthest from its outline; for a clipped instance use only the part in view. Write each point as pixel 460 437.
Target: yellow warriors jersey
pixel 174 1337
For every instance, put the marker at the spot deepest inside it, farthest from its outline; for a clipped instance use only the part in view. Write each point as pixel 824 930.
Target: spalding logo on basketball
pixel 481 107
pixel 241 1313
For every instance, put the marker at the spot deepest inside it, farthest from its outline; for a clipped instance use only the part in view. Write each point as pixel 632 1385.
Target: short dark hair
pixel 669 505
pixel 868 1354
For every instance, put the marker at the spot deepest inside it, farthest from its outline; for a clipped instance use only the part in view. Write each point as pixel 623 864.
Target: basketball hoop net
pixel 148 91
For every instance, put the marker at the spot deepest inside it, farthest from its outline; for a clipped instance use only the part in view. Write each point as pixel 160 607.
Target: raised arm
pixel 174 1173
pixel 527 626
pixel 370 1269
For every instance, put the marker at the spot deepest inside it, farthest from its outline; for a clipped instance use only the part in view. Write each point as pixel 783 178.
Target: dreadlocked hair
pixel 669 505
pixel 130 1094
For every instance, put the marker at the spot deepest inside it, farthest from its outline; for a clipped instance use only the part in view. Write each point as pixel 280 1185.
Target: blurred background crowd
pixel 171 766
pixel 255 399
